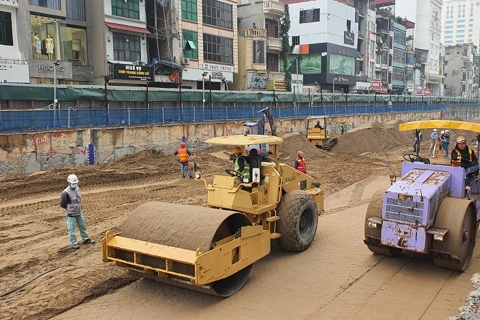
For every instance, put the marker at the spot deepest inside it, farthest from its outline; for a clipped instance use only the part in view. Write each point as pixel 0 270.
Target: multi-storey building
pixel 54 36
pixel 385 10
pixel 13 60
pixel 428 37
pixel 259 46
pixel 412 75
pixel 399 58
pixel 460 70
pixel 460 22
pixel 324 36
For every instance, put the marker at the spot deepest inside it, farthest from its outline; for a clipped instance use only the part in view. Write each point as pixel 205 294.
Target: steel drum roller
pixel 188 227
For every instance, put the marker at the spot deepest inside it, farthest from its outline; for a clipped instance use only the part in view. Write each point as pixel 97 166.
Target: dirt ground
pixel 41 276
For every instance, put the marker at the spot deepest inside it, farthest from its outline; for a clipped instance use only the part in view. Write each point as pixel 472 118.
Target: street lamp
pixel 333 92
pixel 203 88
pixel 55 65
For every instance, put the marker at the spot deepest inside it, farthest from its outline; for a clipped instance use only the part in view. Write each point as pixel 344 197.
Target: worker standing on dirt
pixel 71 201
pixel 433 140
pixel 318 125
pixel 446 142
pixel 416 141
pixel 242 167
pixel 343 127
pixel 300 163
pixel 183 155
pixel 463 156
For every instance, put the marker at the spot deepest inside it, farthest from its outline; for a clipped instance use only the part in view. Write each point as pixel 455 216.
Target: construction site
pixel 42 277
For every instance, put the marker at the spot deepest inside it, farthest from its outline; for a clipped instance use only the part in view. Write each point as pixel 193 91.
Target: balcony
pixel 273 75
pixel 274 9
pixel 384 3
pixel 274 45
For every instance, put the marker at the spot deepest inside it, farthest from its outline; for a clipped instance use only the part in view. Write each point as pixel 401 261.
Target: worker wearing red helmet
pixel 183 155
pixel 300 163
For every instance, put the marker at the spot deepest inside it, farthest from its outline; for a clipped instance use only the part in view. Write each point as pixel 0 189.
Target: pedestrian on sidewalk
pixel 71 201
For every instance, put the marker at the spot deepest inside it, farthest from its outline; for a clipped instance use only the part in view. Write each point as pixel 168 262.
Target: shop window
pixel 51 4
pixel 127 9
pixel 74 43
pixel 126 47
pixel 6 38
pixel 46 42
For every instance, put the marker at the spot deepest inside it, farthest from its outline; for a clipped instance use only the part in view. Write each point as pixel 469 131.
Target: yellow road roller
pixel 212 249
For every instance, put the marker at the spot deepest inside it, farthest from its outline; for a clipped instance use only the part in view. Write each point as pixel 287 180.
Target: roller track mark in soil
pixel 10 226
pixel 20 204
pixel 18 266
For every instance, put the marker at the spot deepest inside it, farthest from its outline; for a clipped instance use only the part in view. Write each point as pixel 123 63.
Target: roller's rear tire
pixel 298 222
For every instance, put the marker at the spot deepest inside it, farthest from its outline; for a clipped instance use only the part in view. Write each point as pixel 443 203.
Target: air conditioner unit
pixel 185 61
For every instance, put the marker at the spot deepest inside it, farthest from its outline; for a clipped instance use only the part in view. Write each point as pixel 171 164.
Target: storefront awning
pixel 118 26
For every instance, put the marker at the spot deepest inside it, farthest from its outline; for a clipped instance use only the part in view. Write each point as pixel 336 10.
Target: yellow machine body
pixel 320 138
pixel 212 249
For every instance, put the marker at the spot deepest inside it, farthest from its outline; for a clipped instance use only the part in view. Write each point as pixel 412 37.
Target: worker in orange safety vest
pixel 183 155
pixel 300 163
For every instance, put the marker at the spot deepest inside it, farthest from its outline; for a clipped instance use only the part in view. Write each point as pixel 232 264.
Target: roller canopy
pixel 440 124
pixel 239 140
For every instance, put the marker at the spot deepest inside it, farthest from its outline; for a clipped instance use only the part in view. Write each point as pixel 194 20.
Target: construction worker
pixel 446 141
pixel 416 141
pixel 433 140
pixel 300 163
pixel 463 156
pixel 183 155
pixel 71 201
pixel 242 167
pixel 318 125
pixel 247 131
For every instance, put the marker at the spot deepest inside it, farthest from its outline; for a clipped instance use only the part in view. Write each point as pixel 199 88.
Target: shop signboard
pixel 133 72
pixel 14 73
pixel 376 85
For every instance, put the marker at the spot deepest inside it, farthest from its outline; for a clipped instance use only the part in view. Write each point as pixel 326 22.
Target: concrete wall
pixel 31 152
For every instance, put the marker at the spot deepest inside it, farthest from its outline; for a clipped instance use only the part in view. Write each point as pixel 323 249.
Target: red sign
pixel 427 92
pixel 419 92
pixel 376 85
pixel 383 90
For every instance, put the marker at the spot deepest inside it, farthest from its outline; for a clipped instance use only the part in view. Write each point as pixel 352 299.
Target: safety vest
pixel 245 174
pixel 183 155
pixel 302 166
pixel 457 162
pixel 74 207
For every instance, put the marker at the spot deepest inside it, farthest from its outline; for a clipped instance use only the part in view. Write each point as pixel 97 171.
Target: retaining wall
pixel 27 152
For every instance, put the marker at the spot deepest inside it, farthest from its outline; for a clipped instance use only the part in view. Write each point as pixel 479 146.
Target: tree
pixel 286 50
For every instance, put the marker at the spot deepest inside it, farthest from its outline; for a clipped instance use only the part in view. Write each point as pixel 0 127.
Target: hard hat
pixel 72 178
pixel 442 132
pixel 461 139
pixel 299 153
pixel 434 130
pixel 237 150
pixel 446 131
pixel 182 144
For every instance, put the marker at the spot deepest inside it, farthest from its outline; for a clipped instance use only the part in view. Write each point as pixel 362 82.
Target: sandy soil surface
pixel 337 278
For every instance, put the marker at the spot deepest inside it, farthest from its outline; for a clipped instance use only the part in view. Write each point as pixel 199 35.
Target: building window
pixel 76 10
pixel 190 44
pixel 217 49
pixel 295 41
pixel 217 14
pixel 127 9
pixel 189 10
pixel 399 56
pixel 51 4
pixel 126 47
pixel 398 74
pixel 311 15
pixel 6 38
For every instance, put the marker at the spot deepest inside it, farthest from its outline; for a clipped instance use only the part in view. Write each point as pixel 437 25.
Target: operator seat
pixel 255 161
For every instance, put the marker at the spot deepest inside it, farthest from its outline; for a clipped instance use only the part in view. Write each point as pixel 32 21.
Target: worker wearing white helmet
pixel 71 201
pixel 446 142
pixel 433 140
pixel 463 156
